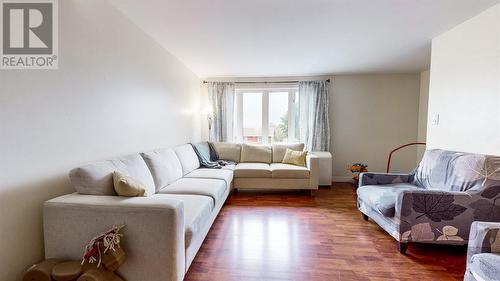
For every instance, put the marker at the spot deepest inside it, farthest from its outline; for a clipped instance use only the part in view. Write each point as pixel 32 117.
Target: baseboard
pixel 342 179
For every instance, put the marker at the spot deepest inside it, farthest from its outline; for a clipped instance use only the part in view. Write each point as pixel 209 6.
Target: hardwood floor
pixel 292 236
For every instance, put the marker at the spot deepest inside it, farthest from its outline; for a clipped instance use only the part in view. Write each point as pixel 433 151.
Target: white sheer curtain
pixel 221 98
pixel 313 115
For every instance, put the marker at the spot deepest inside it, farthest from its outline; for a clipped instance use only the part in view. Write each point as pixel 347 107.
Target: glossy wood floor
pixel 292 236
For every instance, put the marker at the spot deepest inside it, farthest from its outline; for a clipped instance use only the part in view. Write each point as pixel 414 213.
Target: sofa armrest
pixel 484 238
pixel 312 163
pixel 153 234
pixel 382 178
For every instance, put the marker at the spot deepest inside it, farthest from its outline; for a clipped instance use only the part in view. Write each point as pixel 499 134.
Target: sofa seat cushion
pixel 485 266
pixel 287 171
pixel 229 167
pixel 383 197
pixel 221 174
pixel 252 170
pixel 197 212
pixel 213 188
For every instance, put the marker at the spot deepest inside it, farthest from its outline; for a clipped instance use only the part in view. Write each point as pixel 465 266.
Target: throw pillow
pixel 256 153
pixel 293 157
pixel 128 186
pixel 279 150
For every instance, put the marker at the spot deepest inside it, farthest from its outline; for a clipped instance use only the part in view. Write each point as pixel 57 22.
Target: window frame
pixel 265 91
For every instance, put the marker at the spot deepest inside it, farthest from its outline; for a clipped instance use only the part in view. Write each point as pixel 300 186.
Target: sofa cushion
pixel 221 174
pixel 255 153
pixel 228 151
pixel 213 188
pixel 287 171
pixel 485 266
pixel 456 171
pixel 252 170
pixel 295 157
pixel 383 197
pixel 97 178
pixel 197 212
pixel 128 186
pixel 187 157
pixel 279 150
pixel 164 166
pixel 229 167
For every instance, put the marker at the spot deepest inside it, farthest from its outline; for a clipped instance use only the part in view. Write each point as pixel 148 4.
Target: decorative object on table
pixel 356 169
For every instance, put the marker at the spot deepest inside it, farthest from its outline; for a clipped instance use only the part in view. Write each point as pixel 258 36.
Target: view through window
pixel 266 116
pixel 252 117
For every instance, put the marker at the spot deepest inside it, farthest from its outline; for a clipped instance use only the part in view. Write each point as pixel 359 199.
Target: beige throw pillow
pixel 279 150
pixel 128 186
pixel 295 157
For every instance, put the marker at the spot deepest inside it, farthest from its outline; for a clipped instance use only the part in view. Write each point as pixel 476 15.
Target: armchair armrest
pixel 153 233
pixel 382 178
pixel 484 238
pixel 312 163
pixel 431 215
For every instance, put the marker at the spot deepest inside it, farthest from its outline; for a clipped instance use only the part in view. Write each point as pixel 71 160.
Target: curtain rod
pixel 266 82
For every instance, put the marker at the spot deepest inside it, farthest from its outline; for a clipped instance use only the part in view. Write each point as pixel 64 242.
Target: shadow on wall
pixel 21 225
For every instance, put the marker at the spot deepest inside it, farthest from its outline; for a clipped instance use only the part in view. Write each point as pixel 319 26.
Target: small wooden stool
pixel 67 271
pixel 41 271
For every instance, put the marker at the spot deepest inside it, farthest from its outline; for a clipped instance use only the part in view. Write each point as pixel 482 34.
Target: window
pixel 252 117
pixel 266 116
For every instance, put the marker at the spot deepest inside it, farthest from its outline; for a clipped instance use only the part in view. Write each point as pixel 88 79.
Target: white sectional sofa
pixel 260 167
pixel 164 231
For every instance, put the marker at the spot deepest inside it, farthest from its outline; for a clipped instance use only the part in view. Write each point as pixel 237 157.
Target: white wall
pixel 116 92
pixel 465 86
pixel 370 115
pixel 423 106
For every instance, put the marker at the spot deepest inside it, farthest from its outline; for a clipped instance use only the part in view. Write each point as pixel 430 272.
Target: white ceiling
pixel 299 37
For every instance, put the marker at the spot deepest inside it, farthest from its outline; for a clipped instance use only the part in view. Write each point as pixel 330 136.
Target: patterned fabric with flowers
pixel 437 202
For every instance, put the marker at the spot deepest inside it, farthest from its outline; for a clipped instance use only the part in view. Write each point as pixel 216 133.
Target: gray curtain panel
pixel 221 98
pixel 313 115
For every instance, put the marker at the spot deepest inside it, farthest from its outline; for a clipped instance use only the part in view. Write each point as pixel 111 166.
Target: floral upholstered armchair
pixel 483 253
pixel 437 202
